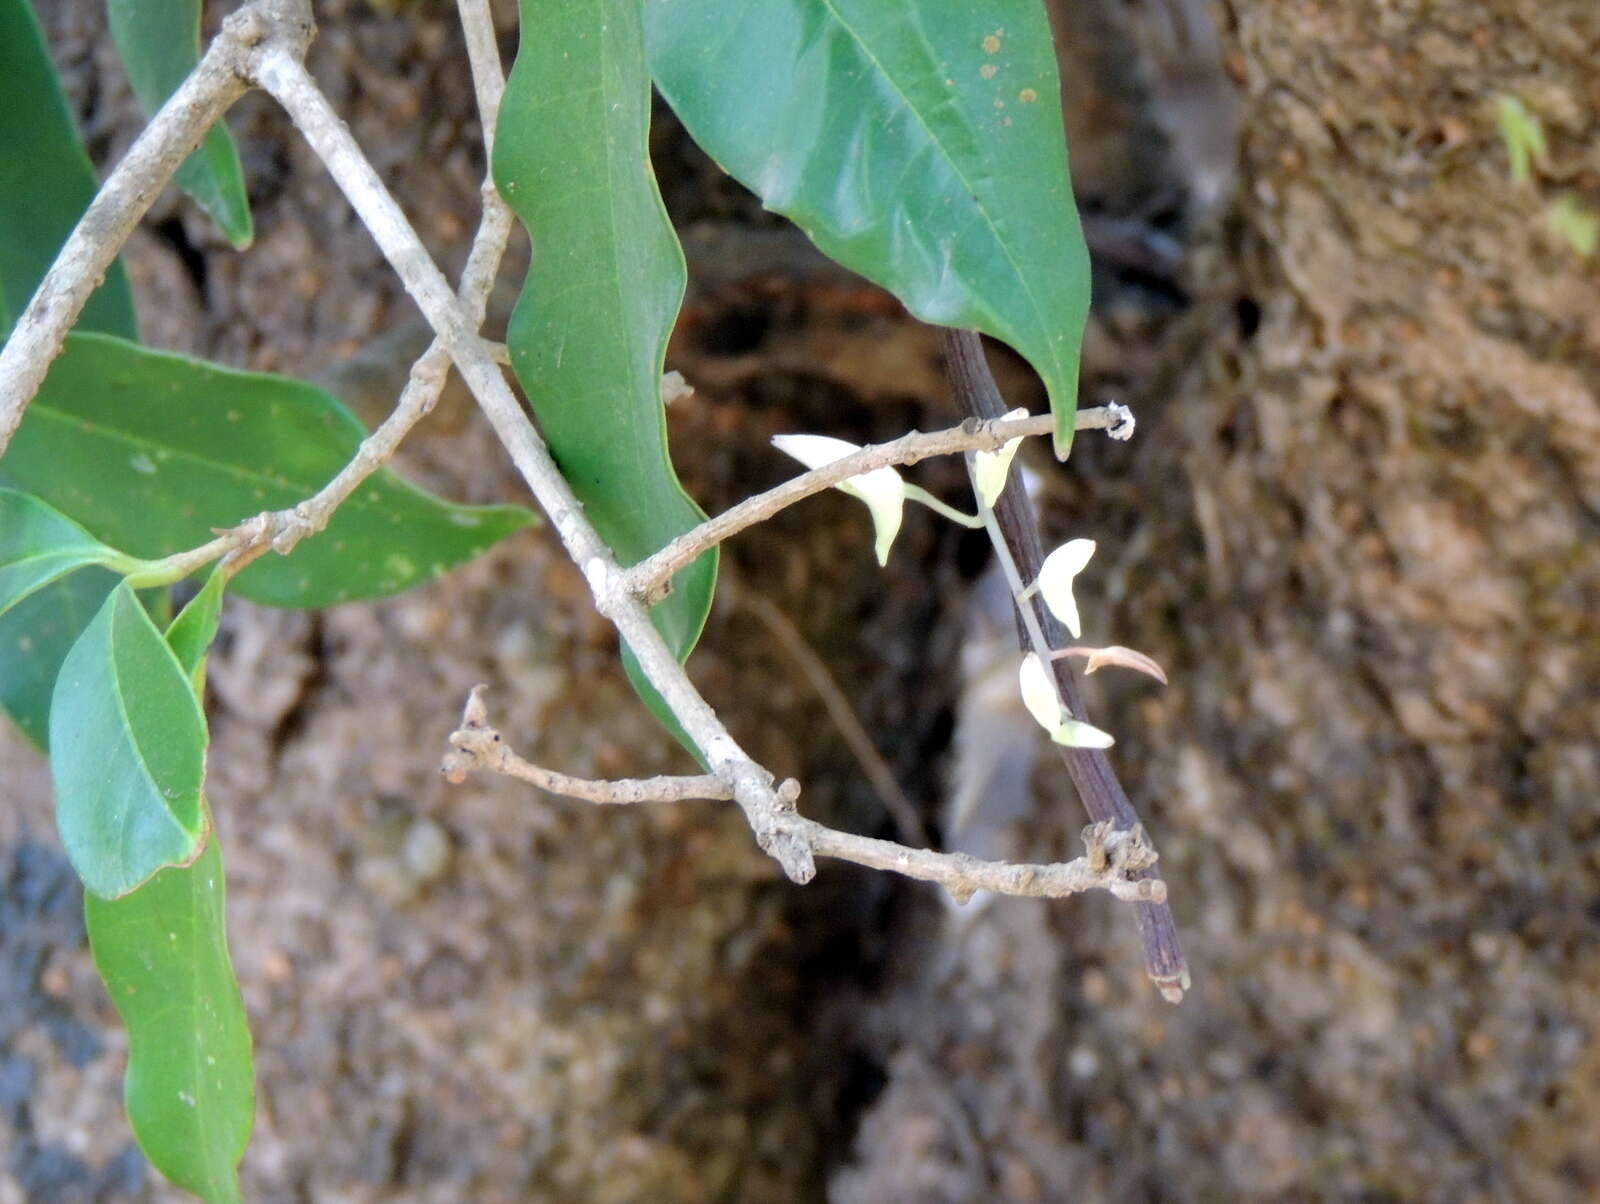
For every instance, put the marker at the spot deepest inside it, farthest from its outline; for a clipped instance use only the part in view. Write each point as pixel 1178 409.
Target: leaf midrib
pixel 127 729
pixel 944 151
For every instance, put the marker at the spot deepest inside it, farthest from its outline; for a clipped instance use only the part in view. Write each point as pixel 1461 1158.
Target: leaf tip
pixel 1061 440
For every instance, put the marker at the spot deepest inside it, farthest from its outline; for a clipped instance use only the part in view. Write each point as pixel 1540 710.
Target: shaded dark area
pixel 41 915
pixel 1357 527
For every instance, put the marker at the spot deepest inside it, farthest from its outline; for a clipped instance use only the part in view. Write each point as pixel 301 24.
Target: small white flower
pixel 881 489
pixel 1055 581
pixel 1044 704
pixel 990 468
pixel 1039 692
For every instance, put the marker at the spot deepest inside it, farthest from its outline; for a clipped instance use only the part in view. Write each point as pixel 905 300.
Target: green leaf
pixel 39 545
pixel 127 752
pixel 35 636
pixel 150 451
pixel 162 952
pixel 190 1086
pixel 159 41
pixel 195 627
pixel 589 333
pixel 918 142
pixel 46 181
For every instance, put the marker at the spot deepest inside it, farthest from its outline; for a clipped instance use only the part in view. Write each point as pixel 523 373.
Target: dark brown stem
pixel 1090 769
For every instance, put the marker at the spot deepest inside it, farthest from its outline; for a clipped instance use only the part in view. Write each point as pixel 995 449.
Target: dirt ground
pixel 1357 526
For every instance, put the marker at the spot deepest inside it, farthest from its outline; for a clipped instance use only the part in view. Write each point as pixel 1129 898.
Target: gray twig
pixel 476 745
pixel 488 73
pixel 1112 861
pixel 282 530
pixel 1114 857
pixel 219 79
pixel 650 575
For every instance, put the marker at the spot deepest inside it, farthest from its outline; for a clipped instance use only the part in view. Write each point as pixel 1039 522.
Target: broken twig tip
pixel 476 712
pixel 1174 987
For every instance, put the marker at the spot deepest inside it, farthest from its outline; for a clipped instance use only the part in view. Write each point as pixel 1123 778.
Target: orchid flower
pixel 990 468
pixel 881 489
pixel 1055 581
pixel 1044 704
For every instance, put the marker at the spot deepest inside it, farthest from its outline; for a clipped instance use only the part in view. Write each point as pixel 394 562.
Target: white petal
pixel 884 493
pixel 1075 734
pixel 1055 580
pixel 814 450
pixel 881 489
pixel 1044 704
pixel 1039 693
pixel 990 468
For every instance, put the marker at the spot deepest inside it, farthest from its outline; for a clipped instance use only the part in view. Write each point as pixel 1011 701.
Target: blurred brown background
pixel 1357 525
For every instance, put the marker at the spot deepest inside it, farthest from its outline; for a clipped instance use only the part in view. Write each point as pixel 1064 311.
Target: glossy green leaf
pixel 918 142
pixel 589 333
pixel 35 636
pixel 150 451
pixel 46 181
pixel 127 752
pixel 190 1085
pixel 39 545
pixel 159 41
pixel 162 952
